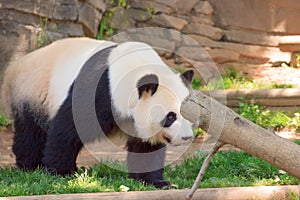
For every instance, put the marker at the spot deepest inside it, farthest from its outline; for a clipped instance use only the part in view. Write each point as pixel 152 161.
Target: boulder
pixel 73 30
pixel 168 21
pixel 185 7
pixel 90 18
pixel 251 37
pixel 170 3
pixel 204 30
pixel 204 41
pixel 98 4
pixel 246 51
pixel 147 4
pixel 223 55
pixel 196 53
pixel 122 19
pixel 179 6
pixel 201 19
pixel 65 12
pixel 204 7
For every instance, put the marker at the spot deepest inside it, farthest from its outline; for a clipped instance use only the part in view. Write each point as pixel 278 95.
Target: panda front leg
pixel 145 162
pixel 63 143
pixel 61 149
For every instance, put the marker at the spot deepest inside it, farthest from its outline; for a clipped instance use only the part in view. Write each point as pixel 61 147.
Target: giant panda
pixel 136 87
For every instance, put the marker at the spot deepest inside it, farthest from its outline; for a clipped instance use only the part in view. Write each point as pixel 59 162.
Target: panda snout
pixel 186 138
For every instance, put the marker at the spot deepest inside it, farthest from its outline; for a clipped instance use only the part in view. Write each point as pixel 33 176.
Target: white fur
pixel 46 74
pixel 66 69
pixel 129 62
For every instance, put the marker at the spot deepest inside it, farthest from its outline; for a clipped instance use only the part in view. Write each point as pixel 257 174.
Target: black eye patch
pixel 169 119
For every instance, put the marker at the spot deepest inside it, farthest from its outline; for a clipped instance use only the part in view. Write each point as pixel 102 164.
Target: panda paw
pixel 161 184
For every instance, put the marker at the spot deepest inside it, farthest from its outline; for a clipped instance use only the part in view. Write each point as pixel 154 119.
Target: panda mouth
pixel 167 138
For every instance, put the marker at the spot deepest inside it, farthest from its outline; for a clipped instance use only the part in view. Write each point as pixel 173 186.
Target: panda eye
pixel 169 119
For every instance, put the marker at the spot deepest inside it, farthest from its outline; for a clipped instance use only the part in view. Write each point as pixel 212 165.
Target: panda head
pixel 156 114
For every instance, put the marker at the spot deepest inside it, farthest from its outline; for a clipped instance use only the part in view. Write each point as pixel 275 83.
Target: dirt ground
pixel 89 156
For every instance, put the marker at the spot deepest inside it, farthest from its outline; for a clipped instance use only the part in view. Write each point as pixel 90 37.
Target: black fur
pixel 148 161
pixel 147 83
pixel 31 128
pixel 187 77
pixel 169 119
pixel 63 142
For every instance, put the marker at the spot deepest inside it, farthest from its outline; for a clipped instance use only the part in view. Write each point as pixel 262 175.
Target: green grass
pixel 267 118
pixel 233 79
pixel 227 169
pixel 5 122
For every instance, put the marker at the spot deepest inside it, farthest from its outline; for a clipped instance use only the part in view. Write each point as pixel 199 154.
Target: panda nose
pixel 186 138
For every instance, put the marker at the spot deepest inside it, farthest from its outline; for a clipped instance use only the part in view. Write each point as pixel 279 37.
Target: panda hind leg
pixel 29 136
pixel 145 162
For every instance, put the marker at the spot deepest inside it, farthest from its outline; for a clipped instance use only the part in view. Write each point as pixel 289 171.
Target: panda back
pixel 44 76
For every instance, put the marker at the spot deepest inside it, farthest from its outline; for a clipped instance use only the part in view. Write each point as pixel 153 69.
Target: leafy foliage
pixel 266 118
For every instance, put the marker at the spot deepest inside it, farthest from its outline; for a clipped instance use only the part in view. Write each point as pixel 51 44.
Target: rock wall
pixel 246 34
pixel 26 25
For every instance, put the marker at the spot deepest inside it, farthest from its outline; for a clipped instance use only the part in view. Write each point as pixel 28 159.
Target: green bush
pixel 266 118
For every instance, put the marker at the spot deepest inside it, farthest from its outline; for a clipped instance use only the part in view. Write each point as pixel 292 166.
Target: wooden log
pixel 230 128
pixel 234 193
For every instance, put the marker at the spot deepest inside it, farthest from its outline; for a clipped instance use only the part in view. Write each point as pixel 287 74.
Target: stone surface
pixel 163 33
pixel 249 30
pixel 204 41
pixel 251 52
pixel 270 54
pixel 223 55
pixel 171 3
pixel 19 17
pixel 201 19
pixel 147 4
pixel 98 4
pixel 129 16
pixel 251 37
pixel 89 17
pixel 53 36
pixel 70 29
pixel 185 7
pixel 289 43
pixel 196 53
pixel 24 6
pixel 122 19
pixel 65 12
pixel 205 30
pixel 204 7
pixel 168 21
pixel 268 15
pixel 46 9
pixel 66 2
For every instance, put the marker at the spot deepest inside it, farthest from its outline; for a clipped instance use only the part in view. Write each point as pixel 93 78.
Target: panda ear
pixel 148 84
pixel 187 76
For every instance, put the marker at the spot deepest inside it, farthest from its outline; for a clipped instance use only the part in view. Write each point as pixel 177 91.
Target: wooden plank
pixel 234 193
